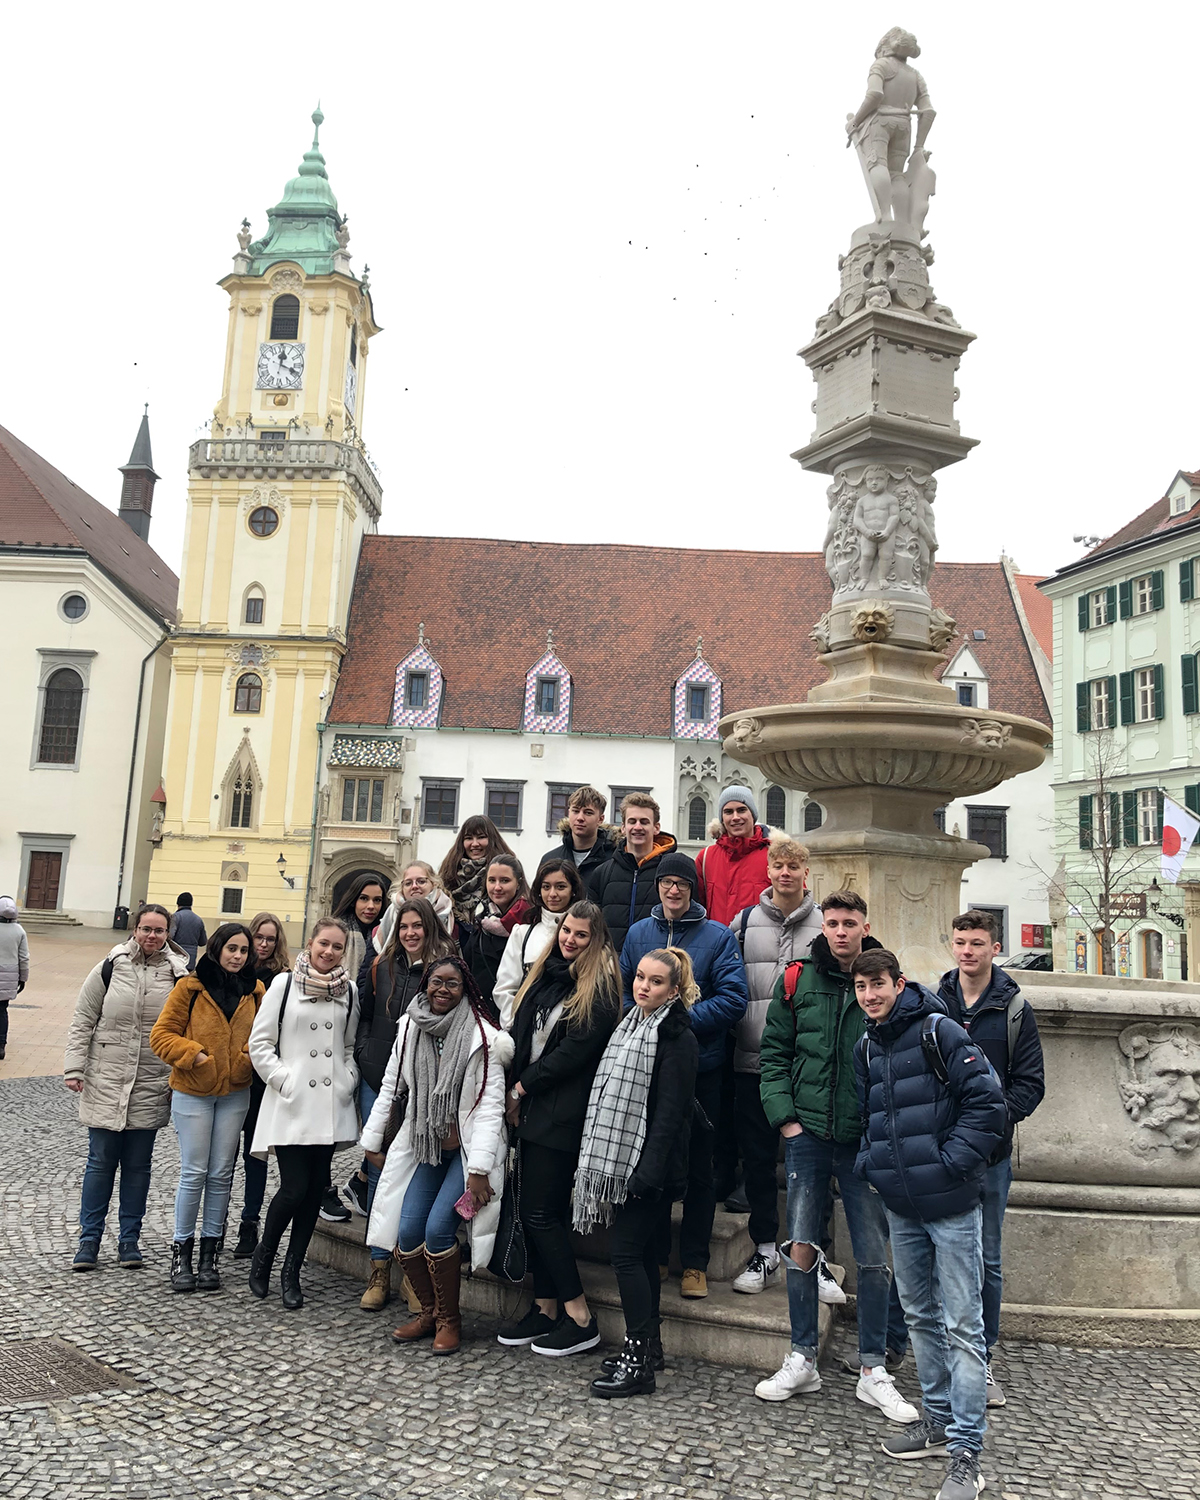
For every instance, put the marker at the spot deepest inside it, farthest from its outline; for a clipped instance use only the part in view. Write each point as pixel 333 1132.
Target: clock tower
pixel 280 494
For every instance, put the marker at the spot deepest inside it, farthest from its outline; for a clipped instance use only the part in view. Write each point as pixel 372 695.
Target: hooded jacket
pixel 732 872
pixel 1023 1075
pixel 716 964
pixel 807 1058
pixel 625 888
pixel 590 863
pixel 769 942
pixel 14 960
pixel 926 1144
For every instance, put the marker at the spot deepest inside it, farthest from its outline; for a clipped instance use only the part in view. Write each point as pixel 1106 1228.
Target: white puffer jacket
pixel 125 1086
pixel 525 946
pixel 770 941
pixel 307 1064
pixel 482 1133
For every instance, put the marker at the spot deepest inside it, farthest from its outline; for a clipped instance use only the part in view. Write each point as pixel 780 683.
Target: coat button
pixel 328 1053
pixel 313 1053
pixel 312 1083
pixel 327 1083
pixel 328 1025
pixel 314 1025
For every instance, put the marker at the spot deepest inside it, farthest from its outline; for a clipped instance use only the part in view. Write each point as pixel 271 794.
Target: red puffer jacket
pixel 733 874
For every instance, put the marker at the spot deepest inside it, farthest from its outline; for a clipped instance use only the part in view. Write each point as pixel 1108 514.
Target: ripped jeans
pixel 810 1164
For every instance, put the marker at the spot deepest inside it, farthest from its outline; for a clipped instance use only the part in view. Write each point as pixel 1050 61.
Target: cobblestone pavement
pixel 239 1398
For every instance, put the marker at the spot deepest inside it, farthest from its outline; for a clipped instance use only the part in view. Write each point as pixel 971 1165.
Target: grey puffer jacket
pixel 125 1086
pixel 770 941
pixel 14 960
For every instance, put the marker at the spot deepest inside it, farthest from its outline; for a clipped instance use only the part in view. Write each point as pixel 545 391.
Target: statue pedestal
pixel 881 674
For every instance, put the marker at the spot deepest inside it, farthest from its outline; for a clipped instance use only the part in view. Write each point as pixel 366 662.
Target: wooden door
pixel 45 870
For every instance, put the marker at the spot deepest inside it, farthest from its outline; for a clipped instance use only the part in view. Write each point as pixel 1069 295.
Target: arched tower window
pixel 776 807
pixel 247 698
pixel 253 612
pixel 59 740
pixel 285 317
pixel 697 818
pixel 814 816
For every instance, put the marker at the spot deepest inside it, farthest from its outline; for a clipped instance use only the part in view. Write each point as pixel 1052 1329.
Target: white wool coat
pixel 513 967
pixel 311 1080
pixel 482 1134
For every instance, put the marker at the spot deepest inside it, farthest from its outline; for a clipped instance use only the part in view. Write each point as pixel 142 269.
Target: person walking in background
pixel 563 1015
pixel 586 842
pixel 987 1003
pixel 186 928
pixel 124 1089
pixel 464 868
pixel 732 872
pixel 202 1032
pixel 557 886
pixel 416 879
pixel 624 887
pixel 506 903
pixel 777 929
pixel 14 963
pixel 633 1157
pixel 387 985
pixel 448 1064
pixel 302 1047
pixel 269 955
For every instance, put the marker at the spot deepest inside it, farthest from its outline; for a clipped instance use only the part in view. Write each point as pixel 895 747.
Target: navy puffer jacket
pixel 925 1145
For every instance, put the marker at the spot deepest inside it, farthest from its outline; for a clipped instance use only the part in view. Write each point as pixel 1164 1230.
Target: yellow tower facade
pixel 279 497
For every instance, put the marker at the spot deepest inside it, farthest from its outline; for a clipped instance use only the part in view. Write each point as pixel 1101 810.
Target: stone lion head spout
pixel 873 622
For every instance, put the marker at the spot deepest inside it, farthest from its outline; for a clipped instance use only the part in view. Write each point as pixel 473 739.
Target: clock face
pixel 280 367
pixel 351 388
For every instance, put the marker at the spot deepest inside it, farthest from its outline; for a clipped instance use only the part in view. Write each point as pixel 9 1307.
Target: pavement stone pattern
pixel 239 1398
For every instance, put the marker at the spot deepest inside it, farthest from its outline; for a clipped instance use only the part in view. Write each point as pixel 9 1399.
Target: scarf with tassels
pixel 438 1073
pixel 313 986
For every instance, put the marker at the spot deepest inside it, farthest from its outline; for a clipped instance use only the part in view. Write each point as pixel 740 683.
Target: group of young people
pixel 579 1044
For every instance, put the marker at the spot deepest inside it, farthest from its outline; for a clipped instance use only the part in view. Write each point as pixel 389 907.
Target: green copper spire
pixel 302 227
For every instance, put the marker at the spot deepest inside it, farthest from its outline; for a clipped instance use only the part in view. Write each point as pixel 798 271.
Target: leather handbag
pixel 510 1260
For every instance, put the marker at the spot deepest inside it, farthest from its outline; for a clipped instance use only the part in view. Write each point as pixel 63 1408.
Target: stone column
pixel 1191 924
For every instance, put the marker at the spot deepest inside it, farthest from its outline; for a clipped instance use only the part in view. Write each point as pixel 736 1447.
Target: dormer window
pixel 547 707
pixel 416 690
pixel 697 702
pixel 285 317
pixel 547 696
pixel 1179 505
pixel 966 695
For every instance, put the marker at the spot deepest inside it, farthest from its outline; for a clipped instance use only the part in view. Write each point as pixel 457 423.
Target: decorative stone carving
pixel 251 309
pixel 244 235
pixel 942 629
pixel 342 234
pixel 1161 1087
pixel 880 535
pixel 873 622
pixel 747 733
pixel 250 654
pixel 286 281
pixel 708 767
pixel 687 766
pixel 820 633
pixel 986 734
pixel 265 494
pixel 899 184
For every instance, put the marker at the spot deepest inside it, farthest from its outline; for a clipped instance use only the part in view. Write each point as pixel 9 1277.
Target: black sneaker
pixel 566 1337
pixel 923 1439
pixel 333 1209
pixel 354 1195
pixel 963 1480
pixel 521 1331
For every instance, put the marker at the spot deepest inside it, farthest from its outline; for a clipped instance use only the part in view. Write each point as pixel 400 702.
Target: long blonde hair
pixel 596 972
pixel 679 966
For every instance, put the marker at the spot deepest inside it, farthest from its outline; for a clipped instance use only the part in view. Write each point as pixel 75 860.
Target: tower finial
pixel 318 120
pixel 550 639
pixel 421 633
pixel 699 647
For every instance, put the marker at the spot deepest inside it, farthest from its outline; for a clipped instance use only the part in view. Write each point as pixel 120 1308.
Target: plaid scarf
pixel 615 1129
pixel 467 889
pixel 440 1061
pixel 313 986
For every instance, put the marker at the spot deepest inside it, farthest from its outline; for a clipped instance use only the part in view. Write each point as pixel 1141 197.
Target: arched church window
pixel 697 818
pixel 247 697
pixel 61 708
pixel 776 807
pixel 814 816
pixel 241 802
pixel 285 317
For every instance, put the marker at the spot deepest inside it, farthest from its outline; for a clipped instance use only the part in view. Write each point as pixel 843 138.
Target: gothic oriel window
pixel 241 804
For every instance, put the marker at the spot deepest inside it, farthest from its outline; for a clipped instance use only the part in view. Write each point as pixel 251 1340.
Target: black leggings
pixel 634 1255
pixel 546 1178
pixel 303 1178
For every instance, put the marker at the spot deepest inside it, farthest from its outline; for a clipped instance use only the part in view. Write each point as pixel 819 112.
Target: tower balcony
pixel 287 458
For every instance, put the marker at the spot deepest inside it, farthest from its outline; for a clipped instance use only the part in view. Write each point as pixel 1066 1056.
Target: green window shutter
pixel 1156 589
pixel 1158 818
pixel 1083 611
pixel 1191 800
pixel 1191 684
pixel 1160 703
pixel 1129 821
pixel 1085 822
pixel 1110 600
pixel 1187 580
pixel 1125 597
pixel 1126 697
pixel 1083 707
pixel 1114 820
pixel 1112 701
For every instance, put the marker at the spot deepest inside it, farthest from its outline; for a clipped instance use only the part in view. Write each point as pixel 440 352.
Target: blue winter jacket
pixel 716 962
pixel 925 1145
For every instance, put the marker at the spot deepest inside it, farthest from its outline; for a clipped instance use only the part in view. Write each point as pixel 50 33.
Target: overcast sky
pixel 597 235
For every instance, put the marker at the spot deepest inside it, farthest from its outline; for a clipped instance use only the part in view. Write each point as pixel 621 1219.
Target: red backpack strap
pixel 791 979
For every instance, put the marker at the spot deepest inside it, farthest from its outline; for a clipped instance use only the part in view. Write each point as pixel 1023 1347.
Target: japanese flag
pixel 1179 829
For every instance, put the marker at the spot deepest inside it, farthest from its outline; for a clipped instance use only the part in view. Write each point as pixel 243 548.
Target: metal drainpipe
pixel 312 841
pixel 137 731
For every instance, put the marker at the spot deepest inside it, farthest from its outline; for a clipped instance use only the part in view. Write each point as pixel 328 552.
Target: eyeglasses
pixel 674 885
pixel 152 931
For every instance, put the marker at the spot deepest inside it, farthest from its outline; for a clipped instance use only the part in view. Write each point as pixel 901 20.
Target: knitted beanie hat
pixel 738 794
pixel 676 866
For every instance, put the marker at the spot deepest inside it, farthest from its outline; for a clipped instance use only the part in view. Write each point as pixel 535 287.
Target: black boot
pixel 289 1281
pixel 261 1261
pixel 634 1375
pixel 247 1239
pixel 183 1278
pixel 658 1360
pixel 208 1278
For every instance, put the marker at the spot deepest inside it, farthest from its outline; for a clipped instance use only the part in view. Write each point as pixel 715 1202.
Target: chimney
pixel 137 489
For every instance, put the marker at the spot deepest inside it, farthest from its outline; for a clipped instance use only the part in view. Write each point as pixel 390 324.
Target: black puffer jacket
pixel 384 994
pixel 662 1170
pixel 592 862
pixel 627 891
pixel 558 1084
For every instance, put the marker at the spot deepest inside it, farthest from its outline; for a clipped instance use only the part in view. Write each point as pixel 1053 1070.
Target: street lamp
pixel 288 880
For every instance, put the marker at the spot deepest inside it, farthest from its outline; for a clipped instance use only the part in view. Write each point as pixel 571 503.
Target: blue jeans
pixel 366 1103
pixel 810 1163
pixel 946 1257
pixel 996 1182
pixel 208 1131
pixel 427 1214
pixel 108 1150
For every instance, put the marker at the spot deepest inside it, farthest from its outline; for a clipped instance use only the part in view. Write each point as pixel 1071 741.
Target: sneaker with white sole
pixel 353 1194
pixel 963 1480
pixel 922 1439
pixel 828 1289
pixel 795 1377
pixel 876 1388
pixel 332 1209
pixel 759 1272
pixel 566 1337
pixel 995 1391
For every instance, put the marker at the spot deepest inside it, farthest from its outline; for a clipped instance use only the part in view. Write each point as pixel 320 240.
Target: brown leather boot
pixel 445 1270
pixel 379 1289
pixel 417 1271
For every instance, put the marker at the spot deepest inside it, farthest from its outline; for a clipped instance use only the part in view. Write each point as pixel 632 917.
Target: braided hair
pixel 482 1008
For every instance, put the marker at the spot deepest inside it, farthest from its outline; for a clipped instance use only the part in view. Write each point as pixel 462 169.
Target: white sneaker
pixel 827 1288
pixel 877 1389
pixel 795 1376
pixel 758 1273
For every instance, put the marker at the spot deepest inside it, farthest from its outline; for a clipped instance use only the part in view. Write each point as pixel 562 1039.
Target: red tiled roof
pixel 1156 517
pixel 1039 611
pixel 625 622
pixel 40 507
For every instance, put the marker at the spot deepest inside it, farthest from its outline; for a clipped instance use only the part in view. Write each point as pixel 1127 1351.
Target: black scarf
pixel 554 984
pixel 224 989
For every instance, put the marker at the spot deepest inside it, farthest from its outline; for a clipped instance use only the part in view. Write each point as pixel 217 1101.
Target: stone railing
pixel 286 458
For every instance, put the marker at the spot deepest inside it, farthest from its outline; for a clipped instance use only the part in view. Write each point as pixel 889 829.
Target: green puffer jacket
pixel 807 1069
